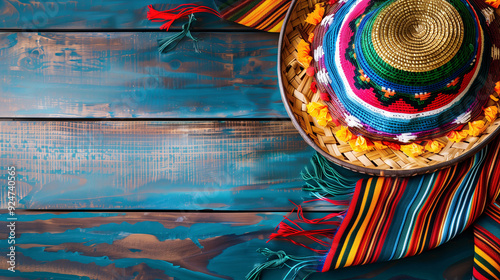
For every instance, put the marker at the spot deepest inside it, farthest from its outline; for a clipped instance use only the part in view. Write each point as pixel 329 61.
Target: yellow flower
pixel 493 98
pixel 457 136
pixel 319 112
pixel 344 134
pixel 313 108
pixel 491 113
pixel 304 53
pixel 361 144
pixel 434 146
pixel 412 150
pixel 379 145
pixel 317 15
pixel 476 128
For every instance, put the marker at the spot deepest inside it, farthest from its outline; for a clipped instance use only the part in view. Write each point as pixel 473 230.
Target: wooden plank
pixel 226 165
pixel 187 246
pixel 98 14
pixel 121 75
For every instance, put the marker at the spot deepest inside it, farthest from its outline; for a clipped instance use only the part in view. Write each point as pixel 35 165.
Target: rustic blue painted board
pixel 97 14
pixel 222 165
pixel 184 246
pixel 121 75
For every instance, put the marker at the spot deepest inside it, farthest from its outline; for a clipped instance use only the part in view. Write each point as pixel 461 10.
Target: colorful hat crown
pixel 404 69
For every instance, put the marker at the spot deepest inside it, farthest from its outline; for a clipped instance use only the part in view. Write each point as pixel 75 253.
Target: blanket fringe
pixel 290 228
pixel 170 16
pixel 307 265
pixel 169 43
pixel 326 182
pixel 328 179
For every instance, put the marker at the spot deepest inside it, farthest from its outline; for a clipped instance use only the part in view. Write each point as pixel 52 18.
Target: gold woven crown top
pixel 418 35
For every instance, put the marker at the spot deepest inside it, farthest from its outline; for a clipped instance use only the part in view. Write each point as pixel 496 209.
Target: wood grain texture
pixel 110 75
pixel 184 246
pixel 226 165
pixel 97 14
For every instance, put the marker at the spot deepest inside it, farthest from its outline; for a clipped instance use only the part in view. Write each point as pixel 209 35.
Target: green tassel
pixel 169 43
pixel 306 264
pixel 329 179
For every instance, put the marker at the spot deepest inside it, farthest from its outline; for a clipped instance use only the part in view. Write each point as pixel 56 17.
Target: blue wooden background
pixel 138 165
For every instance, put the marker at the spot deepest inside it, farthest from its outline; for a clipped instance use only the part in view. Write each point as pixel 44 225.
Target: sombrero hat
pixel 393 88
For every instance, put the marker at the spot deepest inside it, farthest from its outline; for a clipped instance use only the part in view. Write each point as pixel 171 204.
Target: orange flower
pixel 434 146
pixel 491 113
pixel 476 128
pixel 319 112
pixel 412 150
pixel 317 15
pixel 457 136
pixel 311 38
pixel 304 53
pixel 361 144
pixel 494 3
pixel 392 145
pixel 344 134
pixel 379 145
pixel 497 87
pixel 493 98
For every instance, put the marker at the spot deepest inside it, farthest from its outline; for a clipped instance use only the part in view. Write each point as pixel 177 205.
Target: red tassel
pixel 289 228
pixel 322 221
pixel 324 96
pixel 169 16
pixel 314 87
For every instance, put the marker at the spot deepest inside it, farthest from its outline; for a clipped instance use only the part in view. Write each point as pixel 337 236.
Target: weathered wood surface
pixel 184 246
pixel 225 165
pixel 121 75
pixel 97 14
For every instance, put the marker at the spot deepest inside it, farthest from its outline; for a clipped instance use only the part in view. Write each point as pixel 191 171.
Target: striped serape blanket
pixel 390 218
pixel 267 15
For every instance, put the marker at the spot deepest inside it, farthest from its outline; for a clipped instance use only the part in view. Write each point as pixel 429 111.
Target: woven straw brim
pixel 296 94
